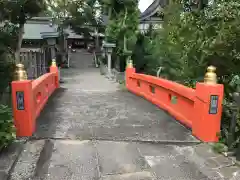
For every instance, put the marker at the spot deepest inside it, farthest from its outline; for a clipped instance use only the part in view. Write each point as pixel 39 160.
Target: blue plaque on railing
pixel 213 109
pixel 20 100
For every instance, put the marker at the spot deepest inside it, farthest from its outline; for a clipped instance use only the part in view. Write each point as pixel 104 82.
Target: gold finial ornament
pixel 210 76
pixel 54 62
pixel 130 63
pixel 20 73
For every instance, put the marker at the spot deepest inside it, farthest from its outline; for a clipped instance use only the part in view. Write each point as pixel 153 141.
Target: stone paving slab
pixel 114 115
pixel 167 163
pixel 119 158
pixel 111 160
pixel 130 176
pixel 27 162
pixel 73 160
pixel 8 157
pixel 188 162
pixel 225 167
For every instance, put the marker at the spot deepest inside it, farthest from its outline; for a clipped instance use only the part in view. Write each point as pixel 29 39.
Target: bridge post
pixel 208 108
pixel 129 70
pixel 54 69
pixel 22 103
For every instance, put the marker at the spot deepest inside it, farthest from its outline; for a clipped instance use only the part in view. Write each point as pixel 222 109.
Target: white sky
pixel 143 4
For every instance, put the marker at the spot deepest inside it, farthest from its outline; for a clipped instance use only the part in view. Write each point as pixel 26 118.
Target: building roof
pixel 39 28
pixel 36 31
pixel 95 34
pixel 153 8
pixel 72 34
pixel 26 50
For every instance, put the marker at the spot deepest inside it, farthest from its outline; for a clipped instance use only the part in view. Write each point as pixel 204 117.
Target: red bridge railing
pixel 29 98
pixel 199 109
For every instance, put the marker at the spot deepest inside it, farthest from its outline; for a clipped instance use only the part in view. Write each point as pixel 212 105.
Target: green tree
pixel 8 37
pixel 18 12
pixel 86 18
pixel 192 40
pixel 59 8
pixel 83 16
pixel 122 27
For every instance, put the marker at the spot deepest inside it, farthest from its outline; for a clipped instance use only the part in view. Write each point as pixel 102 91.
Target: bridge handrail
pixel 169 85
pixel 29 98
pixel 42 89
pixel 194 108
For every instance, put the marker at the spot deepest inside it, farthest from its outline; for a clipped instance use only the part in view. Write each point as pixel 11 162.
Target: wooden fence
pixel 34 61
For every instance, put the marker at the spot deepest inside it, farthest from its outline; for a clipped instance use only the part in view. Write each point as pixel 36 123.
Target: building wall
pixel 145 26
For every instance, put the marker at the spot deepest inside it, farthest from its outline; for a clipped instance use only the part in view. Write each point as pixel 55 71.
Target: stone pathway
pixel 89 106
pixel 92 130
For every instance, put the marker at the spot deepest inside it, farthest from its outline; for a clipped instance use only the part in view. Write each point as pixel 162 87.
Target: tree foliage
pixel 123 19
pixel 141 56
pixel 13 16
pixel 7 130
pixel 122 27
pixel 192 40
pixel 7 37
pixel 18 12
pixel 7 43
pixel 83 16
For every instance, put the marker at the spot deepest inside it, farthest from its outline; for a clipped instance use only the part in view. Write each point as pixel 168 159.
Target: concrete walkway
pixel 93 130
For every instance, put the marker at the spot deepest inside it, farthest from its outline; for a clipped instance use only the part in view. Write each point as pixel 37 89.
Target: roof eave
pixel 49 35
pixel 153 8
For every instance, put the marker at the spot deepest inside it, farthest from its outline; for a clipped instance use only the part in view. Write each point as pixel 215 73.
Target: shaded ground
pixel 92 130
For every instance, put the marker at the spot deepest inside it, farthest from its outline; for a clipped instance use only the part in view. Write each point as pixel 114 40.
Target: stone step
pixel 63 159
pixel 8 158
pixel 28 161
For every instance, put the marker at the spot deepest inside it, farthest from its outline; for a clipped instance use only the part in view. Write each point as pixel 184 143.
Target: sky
pixel 143 4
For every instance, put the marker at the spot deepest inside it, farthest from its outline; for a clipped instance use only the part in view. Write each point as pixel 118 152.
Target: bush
pixel 8 39
pixel 191 41
pixel 7 130
pixel 122 29
pixel 6 74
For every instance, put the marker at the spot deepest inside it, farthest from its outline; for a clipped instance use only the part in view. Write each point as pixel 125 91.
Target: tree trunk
pixel 19 43
pixel 97 39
